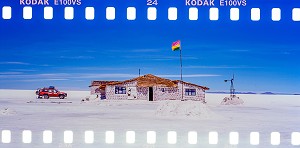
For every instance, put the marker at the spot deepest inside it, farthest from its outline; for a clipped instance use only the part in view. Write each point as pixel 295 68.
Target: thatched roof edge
pixel 150 80
pixel 203 87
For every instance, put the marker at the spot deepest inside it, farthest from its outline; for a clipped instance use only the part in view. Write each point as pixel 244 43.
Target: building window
pixel 190 92
pixel 120 90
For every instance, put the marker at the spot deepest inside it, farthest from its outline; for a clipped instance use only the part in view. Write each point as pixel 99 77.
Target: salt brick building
pixel 148 87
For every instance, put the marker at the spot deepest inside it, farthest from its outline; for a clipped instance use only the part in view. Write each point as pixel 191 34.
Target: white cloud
pixel 23 70
pixel 160 57
pixel 190 76
pixel 134 50
pixel 99 76
pixel 94 68
pixel 219 67
pixel 75 76
pixel 10 73
pixel 14 63
pixel 144 50
pixel 41 80
pixel 57 76
pixel 76 57
pixel 239 50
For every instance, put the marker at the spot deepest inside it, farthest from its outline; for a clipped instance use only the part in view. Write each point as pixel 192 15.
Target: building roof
pixel 99 83
pixel 150 80
pixel 203 87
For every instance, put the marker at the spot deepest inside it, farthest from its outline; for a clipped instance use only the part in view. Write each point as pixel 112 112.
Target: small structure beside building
pixel 233 99
pixel 148 87
pixel 98 88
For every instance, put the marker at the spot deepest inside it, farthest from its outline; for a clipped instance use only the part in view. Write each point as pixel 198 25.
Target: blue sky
pixel 263 55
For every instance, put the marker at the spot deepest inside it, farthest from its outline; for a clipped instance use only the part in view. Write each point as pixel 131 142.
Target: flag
pixel 176 45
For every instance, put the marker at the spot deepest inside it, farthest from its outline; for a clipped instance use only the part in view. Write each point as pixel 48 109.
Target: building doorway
pixel 150 93
pixel 102 94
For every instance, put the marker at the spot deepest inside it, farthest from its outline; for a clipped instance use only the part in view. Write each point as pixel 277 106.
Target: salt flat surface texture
pixel 20 110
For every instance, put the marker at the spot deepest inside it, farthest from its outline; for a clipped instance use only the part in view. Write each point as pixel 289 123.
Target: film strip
pixel 150 137
pixel 110 120
pixel 151 13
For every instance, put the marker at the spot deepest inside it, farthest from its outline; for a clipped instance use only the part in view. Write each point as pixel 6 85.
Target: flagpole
pixel 181 72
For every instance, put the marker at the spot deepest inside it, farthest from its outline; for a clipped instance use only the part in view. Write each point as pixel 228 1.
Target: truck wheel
pixel 45 96
pixel 61 96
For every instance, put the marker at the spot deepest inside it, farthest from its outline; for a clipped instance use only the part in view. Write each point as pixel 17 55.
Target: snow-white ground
pixel 20 110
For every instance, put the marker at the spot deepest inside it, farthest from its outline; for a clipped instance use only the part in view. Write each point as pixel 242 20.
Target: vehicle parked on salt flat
pixel 50 92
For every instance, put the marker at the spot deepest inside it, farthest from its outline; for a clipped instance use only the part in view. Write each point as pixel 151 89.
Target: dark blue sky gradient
pixel 263 55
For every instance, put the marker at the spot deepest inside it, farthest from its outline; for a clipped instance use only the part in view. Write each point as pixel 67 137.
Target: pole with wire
pixel 232 90
pixel 181 72
pixel 177 46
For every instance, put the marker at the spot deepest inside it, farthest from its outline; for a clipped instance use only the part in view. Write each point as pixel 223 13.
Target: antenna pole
pixel 232 93
pixel 139 72
pixel 232 90
pixel 181 72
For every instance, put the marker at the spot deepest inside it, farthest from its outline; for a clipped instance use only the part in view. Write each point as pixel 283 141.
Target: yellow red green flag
pixel 176 45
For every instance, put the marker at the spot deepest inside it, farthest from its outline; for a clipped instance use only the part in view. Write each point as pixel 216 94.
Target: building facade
pixel 148 87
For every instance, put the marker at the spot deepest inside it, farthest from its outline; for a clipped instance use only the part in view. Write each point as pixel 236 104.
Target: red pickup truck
pixel 48 92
